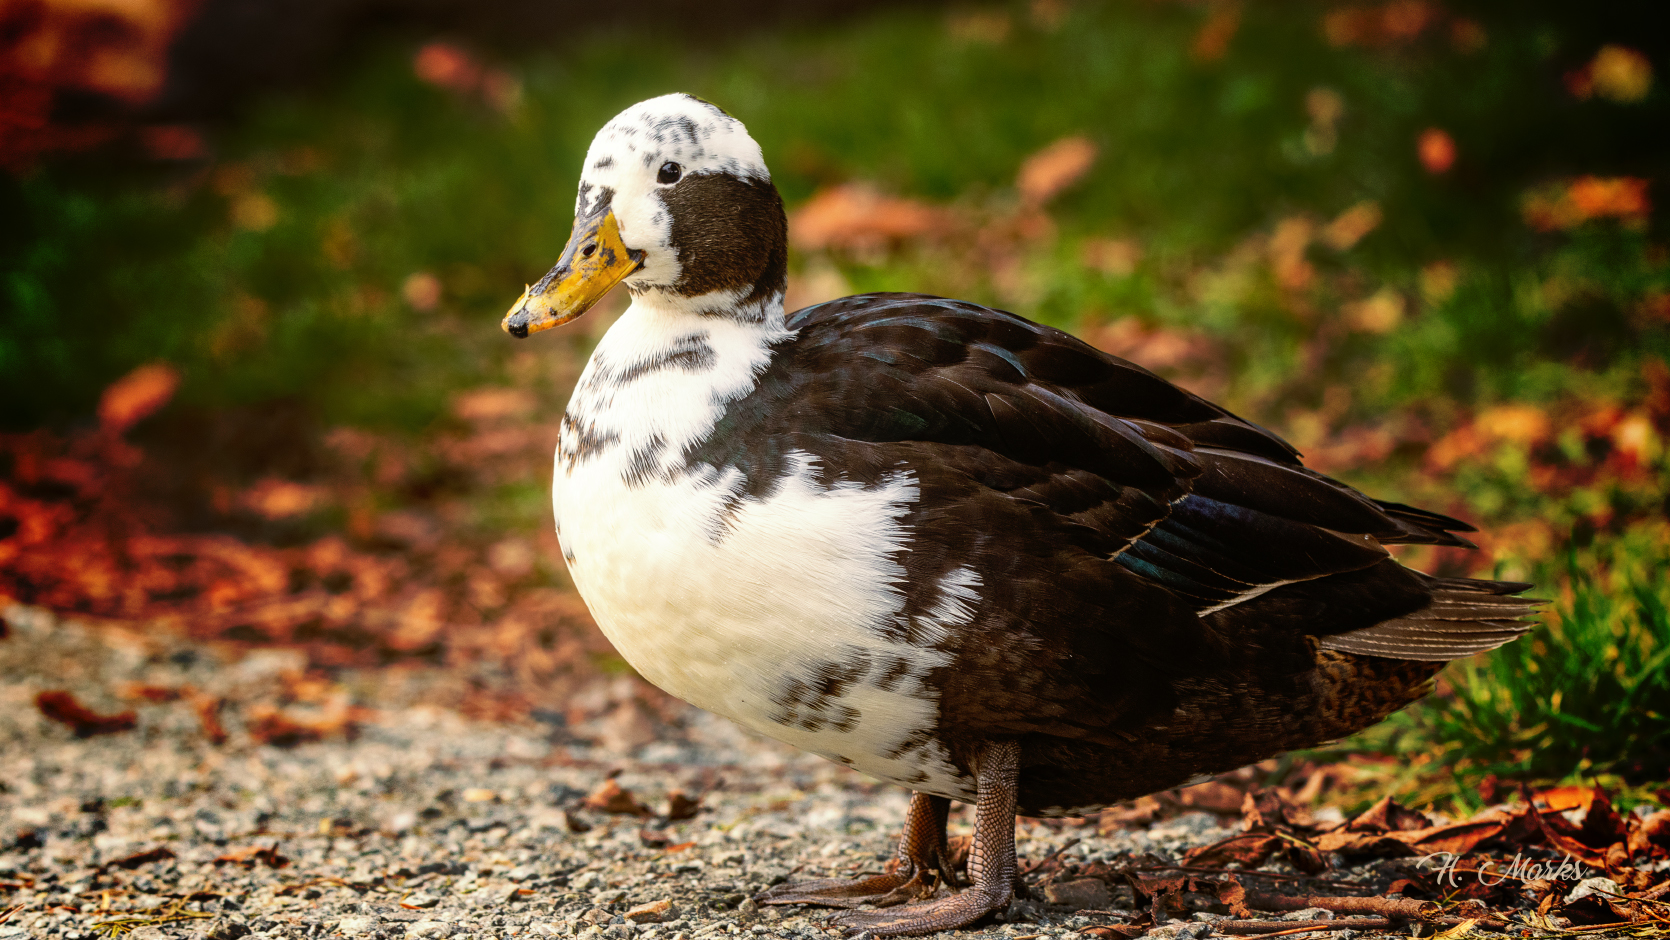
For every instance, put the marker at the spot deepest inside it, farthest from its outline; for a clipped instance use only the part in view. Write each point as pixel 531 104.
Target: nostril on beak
pixel 589 251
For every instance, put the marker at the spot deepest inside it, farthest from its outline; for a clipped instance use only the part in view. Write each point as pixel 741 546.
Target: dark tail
pixel 1465 617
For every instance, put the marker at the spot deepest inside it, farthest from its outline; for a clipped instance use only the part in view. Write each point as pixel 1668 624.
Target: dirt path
pixel 422 824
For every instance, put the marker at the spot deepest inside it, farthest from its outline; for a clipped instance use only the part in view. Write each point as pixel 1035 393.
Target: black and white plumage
pixel 944 545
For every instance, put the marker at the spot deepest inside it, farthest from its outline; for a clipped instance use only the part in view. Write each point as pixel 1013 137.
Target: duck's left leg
pixel 921 854
pixel 991 862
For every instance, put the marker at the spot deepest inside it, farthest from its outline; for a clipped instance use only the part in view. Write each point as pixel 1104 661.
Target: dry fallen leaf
pixel 136 396
pixel 1618 73
pixel 856 217
pixel 130 862
pixel 1349 227
pixel 1050 171
pixel 268 725
pixel 682 806
pixel 64 708
pixel 611 797
pixel 252 855
pixel 1436 149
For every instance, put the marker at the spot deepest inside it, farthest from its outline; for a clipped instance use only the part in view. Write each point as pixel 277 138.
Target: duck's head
pixel 676 203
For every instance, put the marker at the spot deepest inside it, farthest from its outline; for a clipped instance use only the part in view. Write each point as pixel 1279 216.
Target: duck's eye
pixel 670 172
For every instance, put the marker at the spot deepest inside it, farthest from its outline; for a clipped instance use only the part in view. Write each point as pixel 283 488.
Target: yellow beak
pixel 594 260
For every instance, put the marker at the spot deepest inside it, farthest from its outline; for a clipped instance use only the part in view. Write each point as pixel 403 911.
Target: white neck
pixel 716 305
pixel 660 379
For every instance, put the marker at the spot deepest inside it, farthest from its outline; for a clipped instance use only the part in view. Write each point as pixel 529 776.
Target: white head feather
pixel 627 155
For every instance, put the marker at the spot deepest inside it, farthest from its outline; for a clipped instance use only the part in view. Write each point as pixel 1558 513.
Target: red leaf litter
pixel 63 707
pixel 1562 859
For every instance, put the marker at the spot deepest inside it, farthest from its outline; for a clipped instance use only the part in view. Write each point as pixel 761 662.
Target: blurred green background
pixel 1423 241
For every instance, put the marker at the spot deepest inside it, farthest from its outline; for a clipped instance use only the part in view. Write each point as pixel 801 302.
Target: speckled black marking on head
pixel 603 163
pixel 731 234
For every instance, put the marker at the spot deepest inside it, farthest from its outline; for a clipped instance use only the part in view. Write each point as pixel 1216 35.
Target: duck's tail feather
pixel 1464 617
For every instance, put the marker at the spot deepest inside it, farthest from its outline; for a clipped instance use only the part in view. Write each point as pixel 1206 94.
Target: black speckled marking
pixel 691 353
pixel 645 463
pixel 588 443
pixel 811 701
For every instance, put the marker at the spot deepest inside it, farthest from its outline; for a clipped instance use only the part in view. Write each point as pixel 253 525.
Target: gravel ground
pixel 424 824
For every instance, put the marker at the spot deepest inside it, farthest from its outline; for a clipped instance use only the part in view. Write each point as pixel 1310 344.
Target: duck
pixel 946 546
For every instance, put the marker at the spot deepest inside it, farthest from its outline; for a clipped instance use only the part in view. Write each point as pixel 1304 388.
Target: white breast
pixel 779 613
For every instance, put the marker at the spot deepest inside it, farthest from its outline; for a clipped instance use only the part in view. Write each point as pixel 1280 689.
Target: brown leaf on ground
pixel 130 862
pixel 136 396
pixel 1052 170
pixel 1589 197
pixel 145 692
pixel 611 797
pixel 1249 850
pixel 268 725
pixel 1564 798
pixel 1155 347
pixel 1349 227
pixel 1133 814
pixel 1233 895
pixel 1269 810
pixel 681 805
pixel 1388 829
pixel 64 708
pixel 252 855
pixel 1650 836
pixel 857 217
pixel 1213 796
pixel 1388 816
pixel 1562 835
pixel 1212 41
pixel 208 708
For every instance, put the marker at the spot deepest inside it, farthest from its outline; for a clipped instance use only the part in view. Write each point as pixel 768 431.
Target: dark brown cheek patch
pixel 730 234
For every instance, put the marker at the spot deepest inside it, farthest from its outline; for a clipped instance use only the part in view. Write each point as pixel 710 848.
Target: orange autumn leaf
pixel 65 708
pixel 136 396
pixel 1050 171
pixel 1212 41
pixel 1436 149
pixel 855 216
pixel 613 798
pixel 1585 198
pixel 1617 73
pixel 1389 24
pixel 445 65
pixel 1350 226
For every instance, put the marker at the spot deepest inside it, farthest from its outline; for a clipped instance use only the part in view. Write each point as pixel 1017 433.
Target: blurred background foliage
pixel 1424 241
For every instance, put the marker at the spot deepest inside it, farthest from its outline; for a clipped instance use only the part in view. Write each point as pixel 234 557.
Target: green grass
pixel 374 176
pixel 1584 696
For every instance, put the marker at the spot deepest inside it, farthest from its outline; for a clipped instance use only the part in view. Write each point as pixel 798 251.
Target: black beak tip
pixel 519 330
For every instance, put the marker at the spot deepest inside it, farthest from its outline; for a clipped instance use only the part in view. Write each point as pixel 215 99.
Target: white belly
pixel 774 613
